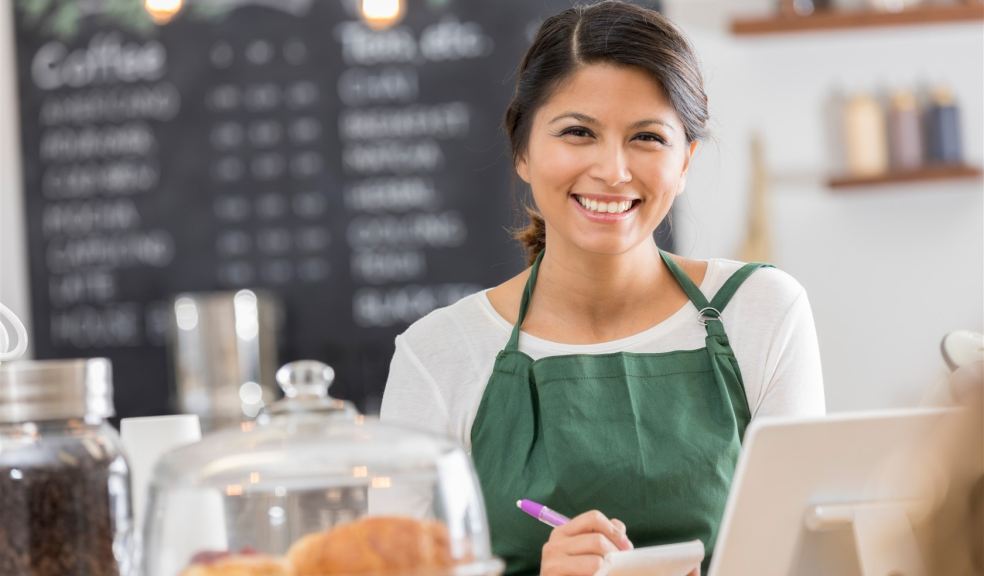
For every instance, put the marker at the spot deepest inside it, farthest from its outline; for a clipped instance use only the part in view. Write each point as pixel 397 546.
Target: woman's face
pixel 607 155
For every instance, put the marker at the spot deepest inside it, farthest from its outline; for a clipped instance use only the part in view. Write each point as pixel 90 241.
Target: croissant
pixel 239 565
pixel 372 545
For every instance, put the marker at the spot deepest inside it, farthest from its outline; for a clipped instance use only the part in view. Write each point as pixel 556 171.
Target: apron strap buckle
pixel 708 313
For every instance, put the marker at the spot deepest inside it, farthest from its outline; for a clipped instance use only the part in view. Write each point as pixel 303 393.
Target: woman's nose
pixel 612 167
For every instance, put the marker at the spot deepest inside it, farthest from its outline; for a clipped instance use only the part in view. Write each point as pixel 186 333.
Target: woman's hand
pixel 578 548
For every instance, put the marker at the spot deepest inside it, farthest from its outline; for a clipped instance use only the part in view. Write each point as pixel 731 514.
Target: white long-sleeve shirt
pixel 443 361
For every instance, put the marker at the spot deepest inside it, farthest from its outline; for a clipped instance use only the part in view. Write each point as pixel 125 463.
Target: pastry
pixel 373 545
pixel 243 564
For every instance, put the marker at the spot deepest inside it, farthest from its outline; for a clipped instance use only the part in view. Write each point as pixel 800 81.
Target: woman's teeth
pixel 604 207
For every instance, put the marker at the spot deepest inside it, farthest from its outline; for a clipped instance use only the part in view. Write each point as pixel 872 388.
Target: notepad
pixel 666 560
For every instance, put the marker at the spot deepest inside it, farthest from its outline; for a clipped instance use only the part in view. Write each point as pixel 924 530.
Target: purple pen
pixel 542 513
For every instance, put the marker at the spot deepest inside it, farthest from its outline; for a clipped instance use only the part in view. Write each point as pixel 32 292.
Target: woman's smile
pixel 605 209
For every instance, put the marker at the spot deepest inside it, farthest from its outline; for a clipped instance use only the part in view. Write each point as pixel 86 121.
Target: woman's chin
pixel 607 246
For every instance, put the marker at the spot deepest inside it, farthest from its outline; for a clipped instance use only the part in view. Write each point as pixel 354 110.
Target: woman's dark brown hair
pixel 612 32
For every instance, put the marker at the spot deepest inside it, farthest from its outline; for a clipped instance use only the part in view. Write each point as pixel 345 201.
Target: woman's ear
pixel 691 149
pixel 523 168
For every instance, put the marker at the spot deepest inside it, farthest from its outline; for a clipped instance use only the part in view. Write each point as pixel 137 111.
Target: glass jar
pixel 64 482
pixel 312 488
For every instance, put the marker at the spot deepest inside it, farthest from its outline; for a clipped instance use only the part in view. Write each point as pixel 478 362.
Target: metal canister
pixel 223 349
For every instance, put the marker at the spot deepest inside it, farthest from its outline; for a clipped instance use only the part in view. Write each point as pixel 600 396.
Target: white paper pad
pixel 667 560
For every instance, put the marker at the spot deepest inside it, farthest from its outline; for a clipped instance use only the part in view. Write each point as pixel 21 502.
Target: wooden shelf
pixel 834 20
pixel 927 174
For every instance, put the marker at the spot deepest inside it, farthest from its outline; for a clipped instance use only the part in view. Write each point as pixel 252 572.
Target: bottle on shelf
pixel 942 124
pixel 905 139
pixel 803 7
pixel 865 143
pixel 894 5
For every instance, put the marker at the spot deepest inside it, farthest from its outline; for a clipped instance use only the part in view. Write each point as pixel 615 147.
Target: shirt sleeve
pixel 794 386
pixel 412 396
pixel 411 399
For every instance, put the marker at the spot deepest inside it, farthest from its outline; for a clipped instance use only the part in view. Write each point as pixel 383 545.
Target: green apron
pixel 651 439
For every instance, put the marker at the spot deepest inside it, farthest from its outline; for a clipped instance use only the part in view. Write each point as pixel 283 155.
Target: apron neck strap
pixel 711 311
pixel 693 292
pixel 725 293
pixel 524 305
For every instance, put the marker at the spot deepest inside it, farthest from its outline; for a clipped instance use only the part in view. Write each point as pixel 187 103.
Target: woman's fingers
pixel 578 548
pixel 591 521
pixel 623 543
pixel 594 521
pixel 591 543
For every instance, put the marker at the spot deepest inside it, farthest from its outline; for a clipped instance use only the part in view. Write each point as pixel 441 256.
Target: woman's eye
pixel 650 137
pixel 576 131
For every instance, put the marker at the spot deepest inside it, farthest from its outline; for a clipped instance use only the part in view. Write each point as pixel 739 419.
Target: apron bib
pixel 650 439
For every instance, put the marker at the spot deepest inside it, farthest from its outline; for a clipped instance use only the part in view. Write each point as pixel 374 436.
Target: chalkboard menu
pixel 359 175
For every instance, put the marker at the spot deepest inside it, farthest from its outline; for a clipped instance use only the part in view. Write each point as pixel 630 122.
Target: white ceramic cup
pixel 145 440
pixel 196 519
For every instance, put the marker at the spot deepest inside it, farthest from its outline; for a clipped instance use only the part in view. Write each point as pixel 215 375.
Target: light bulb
pixel 162 11
pixel 379 14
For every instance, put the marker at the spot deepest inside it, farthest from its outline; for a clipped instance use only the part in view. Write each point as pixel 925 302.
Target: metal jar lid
pixel 56 389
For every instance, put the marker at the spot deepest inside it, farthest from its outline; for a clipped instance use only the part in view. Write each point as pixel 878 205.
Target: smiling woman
pixel 610 378
pixel 605 156
pixel 638 69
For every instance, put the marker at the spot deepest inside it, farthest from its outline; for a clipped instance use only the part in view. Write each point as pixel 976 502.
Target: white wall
pixel 890 270
pixel 13 263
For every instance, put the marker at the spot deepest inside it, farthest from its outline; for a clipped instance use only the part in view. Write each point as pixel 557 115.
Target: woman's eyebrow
pixel 577 116
pixel 647 122
pixel 589 120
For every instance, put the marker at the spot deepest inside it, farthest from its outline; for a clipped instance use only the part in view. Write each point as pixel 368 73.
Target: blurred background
pixel 202 190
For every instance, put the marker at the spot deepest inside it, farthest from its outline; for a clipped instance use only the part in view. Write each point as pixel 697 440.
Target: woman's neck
pixel 599 289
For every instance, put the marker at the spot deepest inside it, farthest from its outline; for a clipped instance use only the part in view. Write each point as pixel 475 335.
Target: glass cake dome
pixel 312 488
